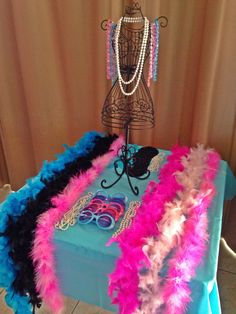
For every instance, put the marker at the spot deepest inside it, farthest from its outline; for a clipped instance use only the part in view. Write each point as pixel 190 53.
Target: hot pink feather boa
pixel 171 228
pixel 43 248
pixel 124 280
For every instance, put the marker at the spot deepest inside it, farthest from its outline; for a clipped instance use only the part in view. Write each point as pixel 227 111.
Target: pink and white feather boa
pixel 193 245
pixel 171 228
pixel 43 248
pixel 190 236
pixel 124 280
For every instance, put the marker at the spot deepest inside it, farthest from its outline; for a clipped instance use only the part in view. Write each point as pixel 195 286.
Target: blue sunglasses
pixel 103 221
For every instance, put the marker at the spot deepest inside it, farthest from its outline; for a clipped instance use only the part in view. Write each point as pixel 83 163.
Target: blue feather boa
pixel 15 205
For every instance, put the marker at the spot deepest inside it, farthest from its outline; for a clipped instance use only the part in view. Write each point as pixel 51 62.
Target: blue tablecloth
pixel 84 262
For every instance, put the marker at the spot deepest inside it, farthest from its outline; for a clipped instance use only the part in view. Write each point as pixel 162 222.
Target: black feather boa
pixel 21 232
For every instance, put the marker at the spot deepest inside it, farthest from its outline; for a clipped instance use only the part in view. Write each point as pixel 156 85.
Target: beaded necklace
pixel 140 64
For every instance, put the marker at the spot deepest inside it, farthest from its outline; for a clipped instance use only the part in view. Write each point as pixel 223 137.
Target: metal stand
pixel 122 163
pixel 134 112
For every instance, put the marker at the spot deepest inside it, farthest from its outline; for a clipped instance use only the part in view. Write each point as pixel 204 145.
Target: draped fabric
pixel 53 81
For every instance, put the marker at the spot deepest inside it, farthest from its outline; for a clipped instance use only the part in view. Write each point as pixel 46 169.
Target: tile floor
pixel 226 280
pixel 71 306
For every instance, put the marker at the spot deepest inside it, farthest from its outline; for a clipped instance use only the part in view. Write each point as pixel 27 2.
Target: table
pixel 83 261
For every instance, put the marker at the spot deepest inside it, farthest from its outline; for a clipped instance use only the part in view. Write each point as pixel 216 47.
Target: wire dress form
pixel 137 108
pixel 133 112
pixel 128 112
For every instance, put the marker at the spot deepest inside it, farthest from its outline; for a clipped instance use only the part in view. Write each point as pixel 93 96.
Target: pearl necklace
pixel 128 218
pixel 141 51
pixel 133 19
pixel 140 64
pixel 70 218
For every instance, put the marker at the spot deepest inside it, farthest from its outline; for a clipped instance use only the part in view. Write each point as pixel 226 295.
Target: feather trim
pixel 43 249
pixel 193 244
pixel 15 205
pixel 20 233
pixel 123 282
pixel 170 230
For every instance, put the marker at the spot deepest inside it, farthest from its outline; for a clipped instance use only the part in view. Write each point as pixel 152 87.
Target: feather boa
pixel 193 245
pixel 171 228
pixel 23 230
pixel 15 205
pixel 43 249
pixel 124 280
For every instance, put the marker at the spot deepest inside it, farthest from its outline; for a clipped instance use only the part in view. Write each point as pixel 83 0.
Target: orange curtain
pixel 53 83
